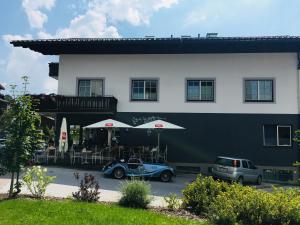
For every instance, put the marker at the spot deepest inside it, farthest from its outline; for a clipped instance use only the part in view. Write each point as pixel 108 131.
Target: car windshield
pixel 227 162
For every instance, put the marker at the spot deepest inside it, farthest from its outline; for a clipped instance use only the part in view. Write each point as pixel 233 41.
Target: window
pixel 259 91
pixel 200 90
pixel 90 88
pixel 251 165
pixel 228 162
pixel 276 135
pixel 245 164
pixel 144 90
pixel 75 133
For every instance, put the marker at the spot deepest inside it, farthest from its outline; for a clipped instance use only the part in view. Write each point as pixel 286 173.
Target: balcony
pixel 74 104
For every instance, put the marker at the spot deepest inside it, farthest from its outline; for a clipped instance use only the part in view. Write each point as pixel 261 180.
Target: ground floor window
pixel 277 135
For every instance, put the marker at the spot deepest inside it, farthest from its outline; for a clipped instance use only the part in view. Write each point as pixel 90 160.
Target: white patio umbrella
pixel 108 124
pixel 63 137
pixel 158 125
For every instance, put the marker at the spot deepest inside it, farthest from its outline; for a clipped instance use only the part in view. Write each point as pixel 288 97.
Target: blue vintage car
pixel 136 168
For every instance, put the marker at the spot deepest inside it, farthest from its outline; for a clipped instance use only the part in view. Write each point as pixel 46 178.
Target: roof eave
pixel 162 45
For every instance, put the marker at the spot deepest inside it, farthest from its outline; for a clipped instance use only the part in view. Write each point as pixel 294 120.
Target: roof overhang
pixel 196 45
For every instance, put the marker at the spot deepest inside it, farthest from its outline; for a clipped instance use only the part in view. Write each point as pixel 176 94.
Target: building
pixel 236 96
pixel 3 103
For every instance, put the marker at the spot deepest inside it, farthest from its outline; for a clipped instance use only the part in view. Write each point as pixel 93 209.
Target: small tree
pixel 297 139
pixel 20 123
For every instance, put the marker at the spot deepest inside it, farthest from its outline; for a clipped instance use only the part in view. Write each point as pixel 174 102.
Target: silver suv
pixel 235 169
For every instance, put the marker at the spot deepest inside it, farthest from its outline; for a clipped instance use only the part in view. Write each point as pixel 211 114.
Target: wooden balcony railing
pixel 60 103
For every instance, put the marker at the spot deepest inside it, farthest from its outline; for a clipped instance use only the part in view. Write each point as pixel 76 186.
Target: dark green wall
pixel 206 135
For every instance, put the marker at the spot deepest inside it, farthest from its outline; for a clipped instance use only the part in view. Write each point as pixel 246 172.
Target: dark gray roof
pixel 2 87
pixel 173 45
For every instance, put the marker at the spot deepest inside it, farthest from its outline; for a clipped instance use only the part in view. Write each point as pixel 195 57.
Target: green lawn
pixel 38 212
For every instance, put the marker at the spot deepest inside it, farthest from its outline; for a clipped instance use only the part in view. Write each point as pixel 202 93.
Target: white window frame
pixel 277 136
pixel 278 126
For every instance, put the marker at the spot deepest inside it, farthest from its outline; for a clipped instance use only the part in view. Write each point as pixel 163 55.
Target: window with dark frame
pixel 144 90
pixel 245 164
pixel 261 90
pixel 200 90
pixel 90 87
pixel 277 135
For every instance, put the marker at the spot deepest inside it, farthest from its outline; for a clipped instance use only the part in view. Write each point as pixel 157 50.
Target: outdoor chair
pixel 165 154
pixel 75 154
pixel 51 153
pixel 86 155
pixel 153 154
pixel 147 154
pixel 97 155
pixel 40 156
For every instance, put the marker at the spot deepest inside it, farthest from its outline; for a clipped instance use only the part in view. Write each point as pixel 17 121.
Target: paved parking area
pixel 65 184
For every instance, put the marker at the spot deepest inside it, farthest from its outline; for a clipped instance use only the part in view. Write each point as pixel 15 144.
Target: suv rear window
pixel 228 162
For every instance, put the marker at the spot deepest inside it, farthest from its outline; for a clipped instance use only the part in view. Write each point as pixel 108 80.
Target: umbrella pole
pixel 62 152
pixel 158 145
pixel 109 140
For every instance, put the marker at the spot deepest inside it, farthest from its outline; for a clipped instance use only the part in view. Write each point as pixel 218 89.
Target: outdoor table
pixel 85 153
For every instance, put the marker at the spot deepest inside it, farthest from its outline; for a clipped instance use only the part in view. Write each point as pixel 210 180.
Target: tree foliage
pixel 21 126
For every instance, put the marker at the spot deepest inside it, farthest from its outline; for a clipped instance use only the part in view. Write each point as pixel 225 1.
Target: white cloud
pixel 91 24
pixel 135 12
pixel 36 17
pixel 50 85
pixel 22 62
pixel 99 20
pixel 209 12
pixel 164 4
pixel 95 21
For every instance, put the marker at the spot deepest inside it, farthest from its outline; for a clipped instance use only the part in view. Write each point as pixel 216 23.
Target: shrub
pixel 88 190
pixel 135 194
pixel 247 206
pixel 226 204
pixel 173 202
pixel 198 195
pixel 36 180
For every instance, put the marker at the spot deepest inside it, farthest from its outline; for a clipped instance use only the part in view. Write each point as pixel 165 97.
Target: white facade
pixel 228 70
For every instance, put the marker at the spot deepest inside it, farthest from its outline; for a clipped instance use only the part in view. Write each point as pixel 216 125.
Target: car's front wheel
pixel 119 173
pixel 166 176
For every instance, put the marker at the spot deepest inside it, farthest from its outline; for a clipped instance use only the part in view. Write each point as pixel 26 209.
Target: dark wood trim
pixel 76 104
pixel 173 45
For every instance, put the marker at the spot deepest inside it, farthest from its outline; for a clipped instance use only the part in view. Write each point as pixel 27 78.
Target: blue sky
pixel 30 19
